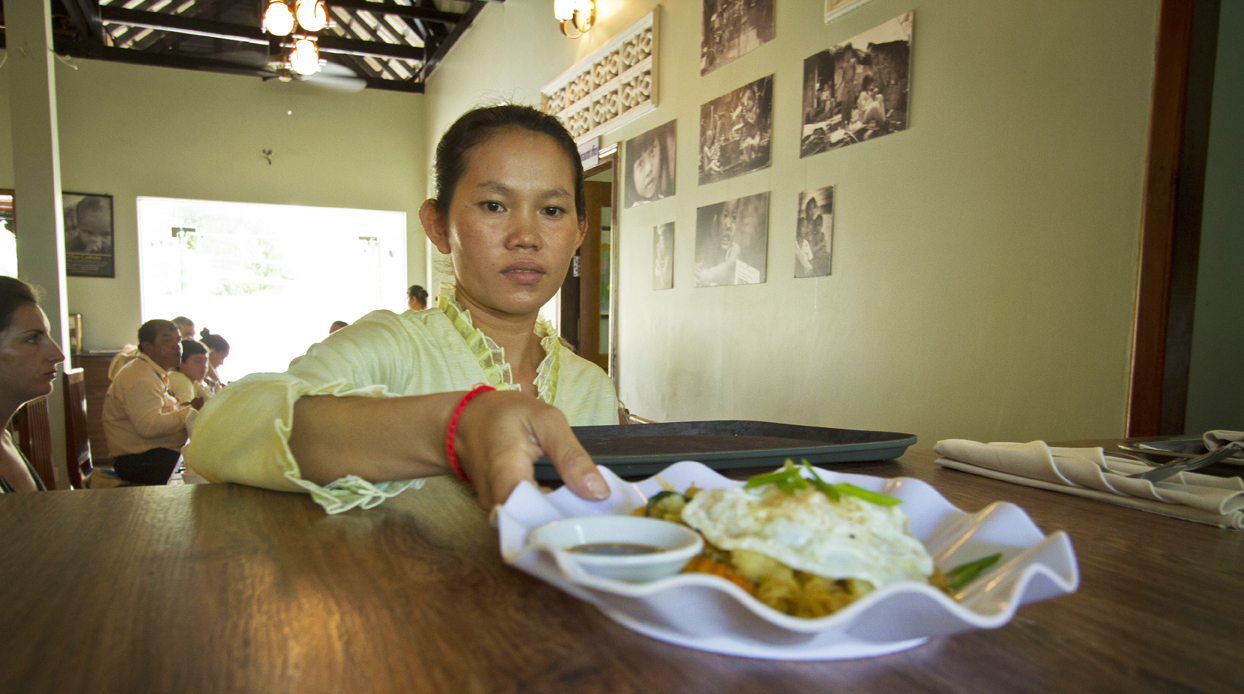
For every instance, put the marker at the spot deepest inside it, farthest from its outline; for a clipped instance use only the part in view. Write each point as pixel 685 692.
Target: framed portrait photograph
pixel 732 241
pixel 857 90
pixel 663 256
pixel 814 232
pixel 88 235
pixel 735 132
pixel 733 28
pixel 649 171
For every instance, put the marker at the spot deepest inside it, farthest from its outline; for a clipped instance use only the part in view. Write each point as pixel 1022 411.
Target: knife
pixel 1178 466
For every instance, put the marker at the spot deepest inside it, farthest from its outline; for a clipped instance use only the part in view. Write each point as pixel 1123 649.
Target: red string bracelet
pixel 453 426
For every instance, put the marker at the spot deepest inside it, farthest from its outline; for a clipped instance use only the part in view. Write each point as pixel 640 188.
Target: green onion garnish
pixel 826 488
pixel 790 481
pixel 871 497
pixel 964 574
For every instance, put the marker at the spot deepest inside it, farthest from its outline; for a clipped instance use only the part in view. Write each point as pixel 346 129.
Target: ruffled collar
pixel 491 356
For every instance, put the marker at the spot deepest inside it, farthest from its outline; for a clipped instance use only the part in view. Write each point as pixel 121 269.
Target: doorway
pixel 589 293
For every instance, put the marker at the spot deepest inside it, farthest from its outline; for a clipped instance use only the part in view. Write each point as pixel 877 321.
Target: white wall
pixel 132 131
pixel 984 262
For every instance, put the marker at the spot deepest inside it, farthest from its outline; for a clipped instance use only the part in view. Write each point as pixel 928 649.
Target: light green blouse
pixel 242 434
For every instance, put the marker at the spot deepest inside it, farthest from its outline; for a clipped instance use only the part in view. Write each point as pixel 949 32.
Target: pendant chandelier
pixel 300 20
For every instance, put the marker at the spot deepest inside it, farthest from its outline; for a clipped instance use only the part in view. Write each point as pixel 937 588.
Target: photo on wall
pixel 650 165
pixel 857 90
pixel 837 8
pixel 732 241
pixel 814 232
pixel 732 28
pixel 663 256
pixel 88 235
pixel 735 132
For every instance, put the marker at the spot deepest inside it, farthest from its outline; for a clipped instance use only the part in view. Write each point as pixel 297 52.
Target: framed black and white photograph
pixel 649 169
pixel 857 90
pixel 814 232
pixel 663 256
pixel 837 8
pixel 732 241
pixel 88 235
pixel 732 28
pixel 735 132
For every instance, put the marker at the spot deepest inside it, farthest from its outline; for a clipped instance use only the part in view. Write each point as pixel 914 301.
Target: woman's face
pixel 512 225
pixel 216 358
pixel 194 367
pixel 644 171
pixel 28 356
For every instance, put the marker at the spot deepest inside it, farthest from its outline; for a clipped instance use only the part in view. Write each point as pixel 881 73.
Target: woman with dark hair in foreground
pixel 28 359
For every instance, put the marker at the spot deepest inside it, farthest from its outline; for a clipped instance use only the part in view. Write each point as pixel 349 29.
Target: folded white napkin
pixel 1220 437
pixel 1089 473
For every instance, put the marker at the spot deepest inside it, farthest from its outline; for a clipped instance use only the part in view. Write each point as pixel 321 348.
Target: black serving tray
pixel 646 449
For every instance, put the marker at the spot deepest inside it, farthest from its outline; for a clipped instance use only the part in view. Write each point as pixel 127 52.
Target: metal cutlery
pixel 1178 466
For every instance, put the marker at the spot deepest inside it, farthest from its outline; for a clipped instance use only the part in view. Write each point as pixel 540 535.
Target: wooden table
pixel 222 588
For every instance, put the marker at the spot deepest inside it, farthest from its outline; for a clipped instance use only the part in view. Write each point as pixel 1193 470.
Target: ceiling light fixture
pixel 278 20
pixel 281 18
pixel 304 58
pixel 312 14
pixel 577 17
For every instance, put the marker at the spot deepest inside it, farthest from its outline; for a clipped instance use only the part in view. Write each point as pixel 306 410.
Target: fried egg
pixel 850 538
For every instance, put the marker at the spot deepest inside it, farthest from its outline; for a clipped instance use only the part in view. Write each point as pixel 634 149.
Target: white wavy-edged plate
pixel 712 614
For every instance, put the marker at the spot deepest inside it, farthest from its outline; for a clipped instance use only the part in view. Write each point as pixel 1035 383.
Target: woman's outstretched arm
pixel 499 437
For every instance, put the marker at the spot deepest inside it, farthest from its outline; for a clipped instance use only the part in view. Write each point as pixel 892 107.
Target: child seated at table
pixel 186 381
pixel 374 405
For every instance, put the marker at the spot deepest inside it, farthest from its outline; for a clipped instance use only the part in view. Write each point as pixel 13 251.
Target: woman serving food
pixel 478 386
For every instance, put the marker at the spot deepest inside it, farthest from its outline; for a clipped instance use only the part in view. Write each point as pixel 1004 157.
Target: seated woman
pixel 28 359
pixel 217 351
pixel 369 409
pixel 186 381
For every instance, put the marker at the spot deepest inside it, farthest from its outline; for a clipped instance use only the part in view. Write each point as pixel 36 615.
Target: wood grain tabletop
pixel 224 588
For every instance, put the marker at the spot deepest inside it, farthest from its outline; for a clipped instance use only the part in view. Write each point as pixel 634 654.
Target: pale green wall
pixel 134 131
pixel 1216 379
pixel 984 261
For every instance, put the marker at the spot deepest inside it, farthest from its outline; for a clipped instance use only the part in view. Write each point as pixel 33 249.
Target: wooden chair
pixel 34 435
pixel 77 440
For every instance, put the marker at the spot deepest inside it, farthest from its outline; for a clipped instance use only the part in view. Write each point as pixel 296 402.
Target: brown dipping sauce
pixel 614 549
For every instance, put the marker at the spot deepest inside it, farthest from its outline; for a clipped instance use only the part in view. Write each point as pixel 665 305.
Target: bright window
pixel 270 279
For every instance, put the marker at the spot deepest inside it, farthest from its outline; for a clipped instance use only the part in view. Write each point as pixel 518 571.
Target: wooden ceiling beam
pixel 85 17
pixel 425 14
pixel 249 34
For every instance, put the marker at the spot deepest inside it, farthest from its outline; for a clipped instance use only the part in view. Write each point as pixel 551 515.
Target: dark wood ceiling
pixel 374 44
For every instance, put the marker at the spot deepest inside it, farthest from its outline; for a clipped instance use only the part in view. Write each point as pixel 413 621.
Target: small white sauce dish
pixel 676 545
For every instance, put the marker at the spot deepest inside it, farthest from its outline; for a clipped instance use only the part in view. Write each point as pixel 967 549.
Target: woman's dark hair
pixel 213 342
pixel 14 293
pixel 189 348
pixel 149 331
pixel 418 293
pixel 474 127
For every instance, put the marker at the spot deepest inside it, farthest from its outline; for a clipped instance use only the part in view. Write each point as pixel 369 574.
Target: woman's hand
pixel 501 434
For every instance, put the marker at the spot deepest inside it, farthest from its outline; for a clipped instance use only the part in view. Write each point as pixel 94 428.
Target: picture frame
pixel 89 235
pixel 838 8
